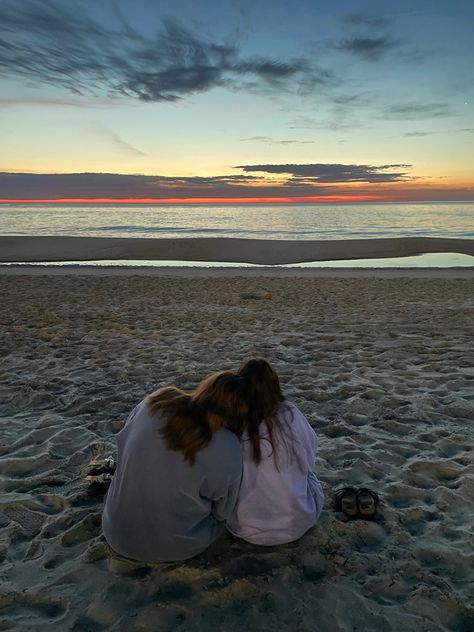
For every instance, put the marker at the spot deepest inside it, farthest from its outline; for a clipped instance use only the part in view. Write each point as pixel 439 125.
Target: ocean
pixel 297 221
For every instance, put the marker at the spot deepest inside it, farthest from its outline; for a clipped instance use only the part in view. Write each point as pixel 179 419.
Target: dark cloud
pixel 368 48
pixel 336 173
pixel 60 44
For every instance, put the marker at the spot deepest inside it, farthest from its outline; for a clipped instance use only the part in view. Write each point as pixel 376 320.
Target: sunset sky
pixel 236 100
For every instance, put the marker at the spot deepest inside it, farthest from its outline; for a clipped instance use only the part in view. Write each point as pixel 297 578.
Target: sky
pixel 237 100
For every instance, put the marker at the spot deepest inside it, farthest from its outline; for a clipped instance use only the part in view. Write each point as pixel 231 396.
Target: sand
pixel 258 251
pixel 382 367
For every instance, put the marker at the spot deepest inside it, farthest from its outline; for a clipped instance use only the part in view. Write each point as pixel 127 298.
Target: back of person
pixel 159 507
pixel 280 497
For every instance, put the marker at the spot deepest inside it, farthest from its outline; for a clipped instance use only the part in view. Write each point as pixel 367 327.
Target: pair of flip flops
pixel 356 503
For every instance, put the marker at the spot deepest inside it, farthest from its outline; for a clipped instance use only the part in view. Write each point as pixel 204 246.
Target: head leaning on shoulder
pixel 190 419
pixel 225 400
pixel 264 387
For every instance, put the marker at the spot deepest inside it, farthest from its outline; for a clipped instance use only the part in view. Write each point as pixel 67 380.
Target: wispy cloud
pixel 115 139
pixel 336 173
pixel 414 111
pixel 58 43
pixel 272 141
pixel 465 130
pixel 62 103
pixel 366 21
pixel 371 38
pixel 368 48
pixel 419 133
pixel 336 122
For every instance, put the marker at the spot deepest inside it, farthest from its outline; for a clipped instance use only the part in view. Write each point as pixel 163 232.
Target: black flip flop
pixel 102 466
pixel 98 485
pixel 367 502
pixel 345 500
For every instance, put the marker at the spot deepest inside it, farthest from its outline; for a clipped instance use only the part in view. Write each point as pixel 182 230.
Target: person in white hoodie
pixel 280 497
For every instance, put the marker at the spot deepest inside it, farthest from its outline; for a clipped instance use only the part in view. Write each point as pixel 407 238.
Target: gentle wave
pixel 311 222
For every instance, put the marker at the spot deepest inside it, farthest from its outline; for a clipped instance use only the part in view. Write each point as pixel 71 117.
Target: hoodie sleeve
pixel 222 483
pixel 223 506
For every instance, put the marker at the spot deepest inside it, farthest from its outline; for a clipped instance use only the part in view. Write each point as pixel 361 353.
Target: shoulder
pixel 288 412
pixel 222 455
pixel 141 420
pixel 225 449
pixel 291 416
pixel 226 442
pixel 136 412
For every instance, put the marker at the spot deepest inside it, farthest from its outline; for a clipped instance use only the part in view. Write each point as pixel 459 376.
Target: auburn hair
pixel 265 397
pixel 191 418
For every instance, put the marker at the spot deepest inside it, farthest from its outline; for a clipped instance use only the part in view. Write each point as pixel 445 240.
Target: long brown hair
pixel 221 400
pixel 265 396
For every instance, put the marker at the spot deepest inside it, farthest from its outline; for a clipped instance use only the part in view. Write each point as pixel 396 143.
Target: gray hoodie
pixel 158 507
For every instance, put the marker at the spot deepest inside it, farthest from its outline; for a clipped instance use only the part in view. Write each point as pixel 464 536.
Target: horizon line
pixel 227 200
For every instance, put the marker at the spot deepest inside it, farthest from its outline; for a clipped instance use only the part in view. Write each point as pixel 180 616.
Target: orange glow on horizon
pixel 205 201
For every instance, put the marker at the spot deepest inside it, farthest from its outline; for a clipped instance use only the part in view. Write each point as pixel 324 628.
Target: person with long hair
pixel 179 467
pixel 280 497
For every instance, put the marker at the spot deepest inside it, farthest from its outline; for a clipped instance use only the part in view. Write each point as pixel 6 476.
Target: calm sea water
pixel 311 221
pixel 303 221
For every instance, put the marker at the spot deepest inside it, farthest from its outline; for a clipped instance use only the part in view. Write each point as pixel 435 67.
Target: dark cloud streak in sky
pixel 365 21
pixel 414 110
pixel 370 38
pixel 368 48
pixel 51 43
pixel 271 141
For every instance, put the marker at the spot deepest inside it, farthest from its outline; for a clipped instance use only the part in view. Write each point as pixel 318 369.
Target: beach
pixel 380 362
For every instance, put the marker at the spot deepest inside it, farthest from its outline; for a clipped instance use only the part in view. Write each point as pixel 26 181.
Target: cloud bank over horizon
pixel 331 181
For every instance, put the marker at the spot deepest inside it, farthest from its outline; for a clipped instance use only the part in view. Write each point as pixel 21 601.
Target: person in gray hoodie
pixel 179 467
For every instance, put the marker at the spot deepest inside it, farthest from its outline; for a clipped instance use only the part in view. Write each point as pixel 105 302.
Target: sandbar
pixel 257 251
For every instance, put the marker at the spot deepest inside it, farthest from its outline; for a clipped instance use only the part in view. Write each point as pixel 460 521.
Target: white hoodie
pixel 280 498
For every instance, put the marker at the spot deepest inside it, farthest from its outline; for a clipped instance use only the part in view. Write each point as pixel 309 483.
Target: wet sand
pixel 382 367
